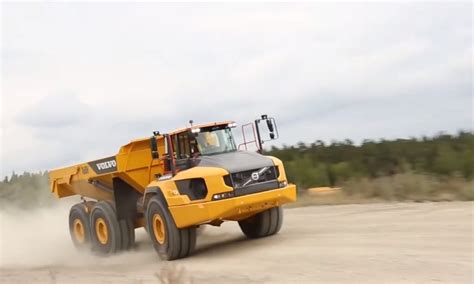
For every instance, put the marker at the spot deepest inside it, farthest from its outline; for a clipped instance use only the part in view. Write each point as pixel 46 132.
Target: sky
pixel 78 80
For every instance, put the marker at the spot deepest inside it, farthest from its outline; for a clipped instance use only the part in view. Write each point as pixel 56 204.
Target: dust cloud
pixel 40 238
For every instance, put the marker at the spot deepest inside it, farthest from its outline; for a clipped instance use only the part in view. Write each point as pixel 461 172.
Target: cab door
pixel 182 150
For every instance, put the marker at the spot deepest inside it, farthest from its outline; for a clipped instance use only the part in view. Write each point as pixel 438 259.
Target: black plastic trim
pixel 228 180
pixel 194 188
pixel 255 188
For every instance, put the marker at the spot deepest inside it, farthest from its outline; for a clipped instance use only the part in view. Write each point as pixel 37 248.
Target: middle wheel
pixel 169 241
pixel 105 229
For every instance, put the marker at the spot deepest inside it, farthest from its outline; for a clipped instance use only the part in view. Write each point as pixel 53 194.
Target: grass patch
pixel 401 187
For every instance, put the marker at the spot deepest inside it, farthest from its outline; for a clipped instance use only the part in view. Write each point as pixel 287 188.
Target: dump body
pixel 133 164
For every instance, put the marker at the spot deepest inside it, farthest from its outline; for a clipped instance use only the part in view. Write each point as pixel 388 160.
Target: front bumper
pixel 232 208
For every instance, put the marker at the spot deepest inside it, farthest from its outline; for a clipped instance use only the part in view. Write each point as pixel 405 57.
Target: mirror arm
pixel 259 139
pixel 154 148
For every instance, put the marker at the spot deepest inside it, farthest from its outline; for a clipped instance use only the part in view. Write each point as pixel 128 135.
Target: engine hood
pixel 236 161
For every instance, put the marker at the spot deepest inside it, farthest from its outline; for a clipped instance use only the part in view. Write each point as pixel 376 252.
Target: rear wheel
pixel 105 229
pixel 169 241
pixel 263 224
pixel 79 225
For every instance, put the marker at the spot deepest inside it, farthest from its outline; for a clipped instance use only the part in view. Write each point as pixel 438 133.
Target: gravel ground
pixel 366 243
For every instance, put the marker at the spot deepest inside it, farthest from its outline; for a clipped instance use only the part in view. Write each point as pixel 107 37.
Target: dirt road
pixel 375 243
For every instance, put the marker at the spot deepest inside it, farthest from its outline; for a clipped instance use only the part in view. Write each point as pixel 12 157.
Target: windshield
pixel 211 142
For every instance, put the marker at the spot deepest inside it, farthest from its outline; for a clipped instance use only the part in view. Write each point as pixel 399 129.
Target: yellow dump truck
pixel 171 184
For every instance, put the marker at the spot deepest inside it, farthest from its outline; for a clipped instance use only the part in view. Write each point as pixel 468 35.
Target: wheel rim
pixel 79 232
pixel 101 231
pixel 159 229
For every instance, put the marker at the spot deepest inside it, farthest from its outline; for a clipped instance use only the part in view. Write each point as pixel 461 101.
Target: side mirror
pixel 272 130
pixel 154 148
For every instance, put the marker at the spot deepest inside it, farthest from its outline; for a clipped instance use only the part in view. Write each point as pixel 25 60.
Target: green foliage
pixel 305 171
pixel 410 186
pixel 435 168
pixel 467 192
pixel 399 187
pixel 318 164
pixel 26 191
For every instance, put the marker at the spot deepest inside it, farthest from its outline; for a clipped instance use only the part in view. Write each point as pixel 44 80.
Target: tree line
pixel 321 164
pixel 25 190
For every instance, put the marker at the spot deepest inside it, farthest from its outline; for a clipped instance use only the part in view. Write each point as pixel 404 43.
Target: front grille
pixel 244 184
pixel 256 187
pixel 244 178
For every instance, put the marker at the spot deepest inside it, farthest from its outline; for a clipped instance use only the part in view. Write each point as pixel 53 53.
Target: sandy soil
pixel 370 243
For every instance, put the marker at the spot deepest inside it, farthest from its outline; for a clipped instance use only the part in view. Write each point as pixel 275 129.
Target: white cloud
pixel 81 79
pixel 56 111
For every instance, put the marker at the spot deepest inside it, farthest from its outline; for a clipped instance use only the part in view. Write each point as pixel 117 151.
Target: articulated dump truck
pixel 172 183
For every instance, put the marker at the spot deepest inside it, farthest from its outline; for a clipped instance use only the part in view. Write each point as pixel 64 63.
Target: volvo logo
pixel 255 176
pixel 102 166
pixel 106 165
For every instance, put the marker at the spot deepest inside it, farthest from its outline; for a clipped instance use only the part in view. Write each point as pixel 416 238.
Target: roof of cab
pixel 179 130
pixel 204 125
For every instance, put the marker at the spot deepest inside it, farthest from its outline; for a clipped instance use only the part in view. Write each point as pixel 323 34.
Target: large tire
pixel 169 242
pixel 106 232
pixel 79 226
pixel 263 224
pixel 127 230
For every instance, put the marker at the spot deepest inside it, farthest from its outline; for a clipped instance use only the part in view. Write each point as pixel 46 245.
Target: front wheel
pixel 263 224
pixel 169 242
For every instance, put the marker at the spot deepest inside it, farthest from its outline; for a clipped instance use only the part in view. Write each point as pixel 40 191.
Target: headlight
pixel 283 183
pixel 223 195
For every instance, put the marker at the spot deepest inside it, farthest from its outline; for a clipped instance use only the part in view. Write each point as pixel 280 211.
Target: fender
pixel 149 193
pixel 152 191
